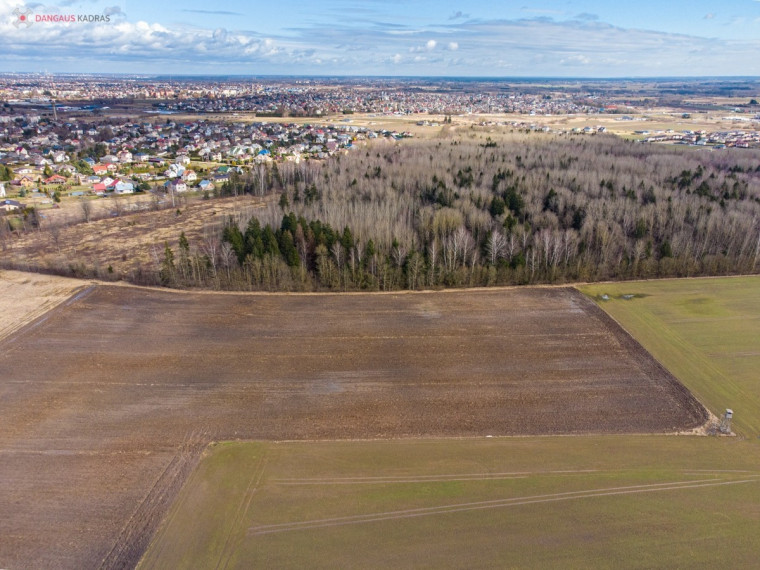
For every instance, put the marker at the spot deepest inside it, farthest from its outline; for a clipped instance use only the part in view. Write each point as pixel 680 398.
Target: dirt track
pixel 105 405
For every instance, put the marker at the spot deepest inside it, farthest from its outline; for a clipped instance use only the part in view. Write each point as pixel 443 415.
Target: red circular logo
pixel 22 17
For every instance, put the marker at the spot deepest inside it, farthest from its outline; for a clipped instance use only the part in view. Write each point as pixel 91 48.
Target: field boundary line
pixel 651 366
pixel 131 543
pixel 11 333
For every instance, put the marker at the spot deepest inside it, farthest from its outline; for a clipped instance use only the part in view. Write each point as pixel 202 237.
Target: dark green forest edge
pixel 530 208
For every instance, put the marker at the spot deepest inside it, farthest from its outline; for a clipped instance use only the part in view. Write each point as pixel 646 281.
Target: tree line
pixel 483 207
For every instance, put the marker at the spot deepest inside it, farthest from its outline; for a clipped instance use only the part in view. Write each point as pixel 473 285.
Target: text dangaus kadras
pixel 70 18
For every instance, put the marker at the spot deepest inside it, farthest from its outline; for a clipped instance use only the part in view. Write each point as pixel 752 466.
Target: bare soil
pixel 106 405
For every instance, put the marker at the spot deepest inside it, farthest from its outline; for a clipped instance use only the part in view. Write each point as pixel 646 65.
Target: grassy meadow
pixel 571 502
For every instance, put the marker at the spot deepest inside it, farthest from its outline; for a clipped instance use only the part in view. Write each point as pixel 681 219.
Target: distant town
pixel 80 136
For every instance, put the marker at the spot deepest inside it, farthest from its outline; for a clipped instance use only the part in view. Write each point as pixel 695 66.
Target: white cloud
pixel 534 46
pixel 576 60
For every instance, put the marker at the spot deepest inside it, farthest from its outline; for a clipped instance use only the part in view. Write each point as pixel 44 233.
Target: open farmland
pixel 541 502
pixel 705 331
pixel 596 501
pixel 106 405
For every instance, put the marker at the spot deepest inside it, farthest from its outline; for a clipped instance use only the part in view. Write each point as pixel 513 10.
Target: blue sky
pixel 583 38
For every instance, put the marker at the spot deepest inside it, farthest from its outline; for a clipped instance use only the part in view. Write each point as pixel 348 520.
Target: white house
pixel 2 189
pixel 176 186
pixel 124 187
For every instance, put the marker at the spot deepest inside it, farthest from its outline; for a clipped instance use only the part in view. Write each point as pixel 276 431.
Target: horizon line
pixel 370 76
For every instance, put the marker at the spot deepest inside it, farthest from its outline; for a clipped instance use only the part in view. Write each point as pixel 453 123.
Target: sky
pixel 454 38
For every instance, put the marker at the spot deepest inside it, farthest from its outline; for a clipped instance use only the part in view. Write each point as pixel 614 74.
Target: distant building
pixel 176 186
pixel 124 187
pixel 55 179
pixel 10 205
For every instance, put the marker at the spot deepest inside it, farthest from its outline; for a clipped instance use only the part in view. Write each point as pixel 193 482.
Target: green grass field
pixel 570 502
pixel 538 502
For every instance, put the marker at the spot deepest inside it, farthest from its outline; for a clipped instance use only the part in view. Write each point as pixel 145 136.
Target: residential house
pixel 189 176
pixel 2 189
pixel 55 179
pixel 124 187
pixel 25 181
pixel 124 156
pixel 61 168
pixel 10 205
pixel 174 171
pixel 100 169
pixel 176 185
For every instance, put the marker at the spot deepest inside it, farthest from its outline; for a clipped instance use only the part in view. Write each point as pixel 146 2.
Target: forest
pixel 484 208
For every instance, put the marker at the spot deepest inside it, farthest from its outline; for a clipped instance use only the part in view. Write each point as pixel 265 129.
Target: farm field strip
pixel 634 485
pixel 493 504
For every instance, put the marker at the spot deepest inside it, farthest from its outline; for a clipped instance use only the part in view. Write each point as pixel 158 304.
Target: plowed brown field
pixel 106 405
